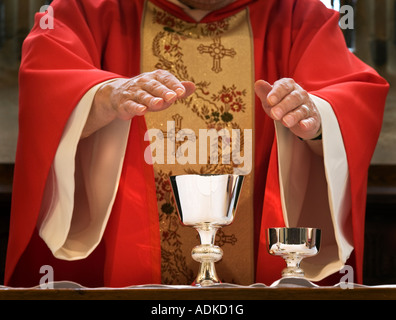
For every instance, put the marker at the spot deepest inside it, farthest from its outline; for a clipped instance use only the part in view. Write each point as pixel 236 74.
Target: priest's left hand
pixel 287 102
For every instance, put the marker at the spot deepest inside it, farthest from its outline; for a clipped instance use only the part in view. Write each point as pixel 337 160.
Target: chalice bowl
pixel 293 245
pixel 206 203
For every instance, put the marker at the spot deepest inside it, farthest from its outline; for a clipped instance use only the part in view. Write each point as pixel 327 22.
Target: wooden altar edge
pixel 204 294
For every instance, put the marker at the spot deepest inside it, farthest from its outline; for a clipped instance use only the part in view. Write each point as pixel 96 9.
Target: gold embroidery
pixel 217 51
pixel 223 100
pixel 173 262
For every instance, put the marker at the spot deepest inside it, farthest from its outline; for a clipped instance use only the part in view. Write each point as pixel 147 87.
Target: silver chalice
pixel 293 245
pixel 206 203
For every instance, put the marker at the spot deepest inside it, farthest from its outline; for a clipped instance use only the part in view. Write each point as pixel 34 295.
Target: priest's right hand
pixel 126 98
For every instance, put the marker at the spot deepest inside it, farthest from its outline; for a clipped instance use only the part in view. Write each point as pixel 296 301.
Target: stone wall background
pixel 16 19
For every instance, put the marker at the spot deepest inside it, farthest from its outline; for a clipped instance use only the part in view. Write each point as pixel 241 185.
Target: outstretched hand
pixel 126 98
pixel 151 91
pixel 290 104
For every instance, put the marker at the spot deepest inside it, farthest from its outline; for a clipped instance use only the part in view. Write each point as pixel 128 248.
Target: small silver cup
pixel 293 245
pixel 206 203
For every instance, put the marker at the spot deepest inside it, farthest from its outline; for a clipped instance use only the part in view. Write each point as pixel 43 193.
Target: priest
pixel 91 196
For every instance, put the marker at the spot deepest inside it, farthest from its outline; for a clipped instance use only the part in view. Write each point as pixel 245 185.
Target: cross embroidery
pixel 222 238
pixel 218 52
pixel 178 125
pixel 173 135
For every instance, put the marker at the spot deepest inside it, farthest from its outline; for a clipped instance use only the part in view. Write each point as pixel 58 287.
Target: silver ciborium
pixel 293 245
pixel 206 203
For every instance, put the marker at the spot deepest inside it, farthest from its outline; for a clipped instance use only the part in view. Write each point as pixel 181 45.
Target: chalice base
pixel 207 255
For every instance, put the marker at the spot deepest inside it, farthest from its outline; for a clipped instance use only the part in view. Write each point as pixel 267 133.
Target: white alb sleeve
pixel 315 192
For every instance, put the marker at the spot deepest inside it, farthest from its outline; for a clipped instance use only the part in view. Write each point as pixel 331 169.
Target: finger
pixel 160 101
pixel 129 108
pixel 309 124
pixel 262 89
pixel 292 101
pixel 153 103
pixel 280 90
pixel 305 124
pixel 307 129
pixel 170 81
pixel 155 88
pixel 159 96
pixel 296 115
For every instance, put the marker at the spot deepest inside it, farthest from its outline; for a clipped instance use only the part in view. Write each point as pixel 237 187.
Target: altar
pixel 165 294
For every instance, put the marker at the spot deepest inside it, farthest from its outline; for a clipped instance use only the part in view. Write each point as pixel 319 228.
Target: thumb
pixel 189 87
pixel 262 89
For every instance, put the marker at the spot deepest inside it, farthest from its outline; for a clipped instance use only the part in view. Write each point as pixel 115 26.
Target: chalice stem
pixel 207 233
pixel 293 266
pixel 207 253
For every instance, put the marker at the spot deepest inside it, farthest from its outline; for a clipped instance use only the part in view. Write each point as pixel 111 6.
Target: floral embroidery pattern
pixel 231 98
pixel 217 110
pixel 173 262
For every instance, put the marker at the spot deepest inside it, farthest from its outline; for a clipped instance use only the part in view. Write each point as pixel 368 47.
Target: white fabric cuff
pixel 82 184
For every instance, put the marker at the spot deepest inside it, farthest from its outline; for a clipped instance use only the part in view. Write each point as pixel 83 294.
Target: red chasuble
pixel 96 40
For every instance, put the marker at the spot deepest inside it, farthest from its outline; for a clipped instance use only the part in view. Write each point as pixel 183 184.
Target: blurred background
pixel 372 39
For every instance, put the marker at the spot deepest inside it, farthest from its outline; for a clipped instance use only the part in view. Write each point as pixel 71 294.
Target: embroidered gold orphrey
pixel 218 58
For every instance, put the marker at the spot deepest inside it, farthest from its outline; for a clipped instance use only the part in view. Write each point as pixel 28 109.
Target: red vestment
pixel 93 41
